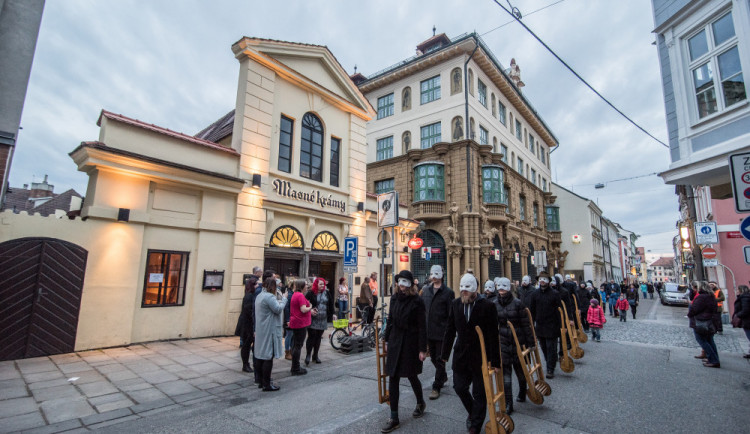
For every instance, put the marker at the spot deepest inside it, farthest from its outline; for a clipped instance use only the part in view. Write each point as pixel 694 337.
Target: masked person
pixel 437 298
pixel 583 297
pixel 406 339
pixel 510 309
pixel 543 305
pixel 489 290
pixel 525 289
pixel 567 298
pixel 466 313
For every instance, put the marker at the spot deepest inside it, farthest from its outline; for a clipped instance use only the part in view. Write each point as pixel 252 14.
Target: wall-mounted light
pixel 684 232
pixel 360 207
pixel 256 180
pixel 123 215
pixel 686 245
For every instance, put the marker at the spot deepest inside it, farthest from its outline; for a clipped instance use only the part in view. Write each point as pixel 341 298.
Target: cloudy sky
pixel 170 63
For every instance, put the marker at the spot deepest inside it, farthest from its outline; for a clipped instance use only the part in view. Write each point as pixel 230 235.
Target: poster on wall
pixel 388 209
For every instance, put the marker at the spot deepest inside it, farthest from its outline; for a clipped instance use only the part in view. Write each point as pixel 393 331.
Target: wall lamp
pixel 256 180
pixel 123 215
pixel 684 232
pixel 360 207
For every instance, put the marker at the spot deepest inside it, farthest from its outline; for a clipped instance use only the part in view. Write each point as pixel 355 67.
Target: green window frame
pixel 553 218
pixel 519 133
pixel 430 134
pixel 482 88
pixel 501 110
pixel 504 150
pixel 385 106
pixel 484 136
pixel 385 185
pixel 493 185
pixel 384 148
pixel 429 89
pixel 429 182
pixel 522 208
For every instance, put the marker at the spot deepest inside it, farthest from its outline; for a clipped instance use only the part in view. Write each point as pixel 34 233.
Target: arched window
pixel 288 237
pixel 311 149
pixel 325 241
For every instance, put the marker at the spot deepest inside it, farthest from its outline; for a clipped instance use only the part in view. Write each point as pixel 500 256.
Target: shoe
pixel 712 365
pixel 702 355
pixel 392 425
pixel 550 374
pixel 271 388
pixel 419 411
pixel 301 371
pixel 521 397
pixel 435 394
pixel 246 368
pixel 746 356
pixel 316 360
pixel 307 360
pixel 288 355
pixel 509 407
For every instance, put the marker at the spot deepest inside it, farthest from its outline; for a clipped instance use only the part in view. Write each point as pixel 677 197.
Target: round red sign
pixel 415 243
pixel 709 253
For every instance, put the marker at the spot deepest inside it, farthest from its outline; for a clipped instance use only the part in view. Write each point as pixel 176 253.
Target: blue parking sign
pixel 350 251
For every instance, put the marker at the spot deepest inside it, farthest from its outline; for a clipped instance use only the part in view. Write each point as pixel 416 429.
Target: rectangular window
pixel 285 144
pixel 165 280
pixel 544 185
pixel 430 134
pixel 428 182
pixel 493 186
pixel 335 157
pixel 531 144
pixel 519 133
pixel 430 89
pixel 519 167
pixel 553 218
pixel 522 208
pixel 384 186
pixel 504 150
pixel 533 176
pixel 542 155
pixel 501 108
pixel 484 138
pixel 715 49
pixel 482 92
pixel 385 106
pixel 384 148
pixel 536 215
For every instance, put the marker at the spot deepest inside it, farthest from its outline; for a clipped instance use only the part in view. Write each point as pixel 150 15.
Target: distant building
pixel 41 199
pixel 662 270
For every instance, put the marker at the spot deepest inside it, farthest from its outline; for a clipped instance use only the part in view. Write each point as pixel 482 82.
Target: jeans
pixel 343 307
pixel 514 364
pixel 651 295
pixel 612 304
pixel 596 333
pixel 549 348
pixel 717 321
pixel 623 315
pixel 441 376
pixel 393 391
pixel 297 341
pixel 645 294
pixel 633 308
pixel 288 340
pixel 475 402
pixel 709 346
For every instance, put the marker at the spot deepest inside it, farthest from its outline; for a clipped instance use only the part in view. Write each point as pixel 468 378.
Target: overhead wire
pixel 517 19
pixel 530 13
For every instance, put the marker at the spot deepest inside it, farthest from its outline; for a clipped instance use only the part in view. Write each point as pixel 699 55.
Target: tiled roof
pixel 663 262
pixel 61 201
pixel 165 131
pixel 17 199
pixel 219 129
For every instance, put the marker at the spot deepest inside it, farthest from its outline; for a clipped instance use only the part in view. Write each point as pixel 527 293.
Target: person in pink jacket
pixel 596 320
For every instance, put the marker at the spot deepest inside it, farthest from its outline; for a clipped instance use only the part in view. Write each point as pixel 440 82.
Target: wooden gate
pixel 41 280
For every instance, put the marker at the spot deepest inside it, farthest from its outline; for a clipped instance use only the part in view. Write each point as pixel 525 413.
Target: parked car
pixel 674 294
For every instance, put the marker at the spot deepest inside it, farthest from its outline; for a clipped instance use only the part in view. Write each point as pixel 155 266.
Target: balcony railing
pixel 497 211
pixel 555 237
pixel 428 210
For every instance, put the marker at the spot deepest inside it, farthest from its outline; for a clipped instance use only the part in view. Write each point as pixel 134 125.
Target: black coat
pixel 543 305
pixel 566 298
pixel 467 351
pixel 633 294
pixel 742 309
pixel 702 308
pixel 583 296
pixel 524 292
pixel 437 304
pixel 513 310
pixel 246 323
pixel 406 335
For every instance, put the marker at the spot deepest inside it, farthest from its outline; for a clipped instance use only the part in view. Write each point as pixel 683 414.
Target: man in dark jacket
pixel 543 305
pixel 466 313
pixel 583 297
pixel 525 289
pixel 437 299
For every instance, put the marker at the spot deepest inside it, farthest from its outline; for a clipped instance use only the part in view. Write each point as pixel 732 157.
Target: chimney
pixel 41 189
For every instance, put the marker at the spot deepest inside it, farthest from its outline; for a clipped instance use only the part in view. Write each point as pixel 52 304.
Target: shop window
pixel 165 280
pixel 428 182
pixel 325 241
pixel 335 157
pixel 311 152
pixel 288 237
pixel 285 144
pixel 493 190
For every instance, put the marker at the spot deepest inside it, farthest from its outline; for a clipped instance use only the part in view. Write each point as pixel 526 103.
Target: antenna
pixel 433 30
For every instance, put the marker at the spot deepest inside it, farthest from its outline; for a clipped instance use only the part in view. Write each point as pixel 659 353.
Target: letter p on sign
pixel 350 251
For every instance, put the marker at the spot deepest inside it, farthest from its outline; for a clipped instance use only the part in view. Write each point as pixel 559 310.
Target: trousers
pixel 549 348
pixel 475 402
pixel 441 376
pixel 394 393
pixel 313 341
pixel 297 340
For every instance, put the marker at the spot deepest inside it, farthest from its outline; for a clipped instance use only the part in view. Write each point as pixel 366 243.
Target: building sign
pixel 739 165
pixel 734 234
pixel 710 262
pixel 312 196
pixel 415 243
pixel 706 233
pixel 403 258
pixel 388 209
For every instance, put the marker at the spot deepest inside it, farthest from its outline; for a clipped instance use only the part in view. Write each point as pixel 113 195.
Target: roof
pixel 165 131
pixel 218 130
pixel 17 199
pixel 664 261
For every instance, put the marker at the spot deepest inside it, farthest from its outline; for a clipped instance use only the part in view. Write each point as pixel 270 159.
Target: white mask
pixel 526 280
pixel 544 279
pixel 504 284
pixel 468 283
pixel 489 286
pixel 404 282
pixel 436 272
pixel 497 282
pixel 588 285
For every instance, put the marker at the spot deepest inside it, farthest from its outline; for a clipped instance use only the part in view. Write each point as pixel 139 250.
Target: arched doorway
pixel 495 266
pixel 41 281
pixel 529 263
pixel 515 266
pixel 420 268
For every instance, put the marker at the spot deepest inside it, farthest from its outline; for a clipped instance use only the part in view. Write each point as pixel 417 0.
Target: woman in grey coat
pixel 318 297
pixel 269 308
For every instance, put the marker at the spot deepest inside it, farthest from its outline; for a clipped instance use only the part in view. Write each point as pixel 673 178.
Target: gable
pixel 316 70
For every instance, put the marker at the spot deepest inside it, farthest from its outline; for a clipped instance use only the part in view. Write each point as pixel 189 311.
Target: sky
pixel 170 63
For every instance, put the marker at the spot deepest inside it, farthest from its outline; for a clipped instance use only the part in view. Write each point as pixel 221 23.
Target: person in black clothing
pixel 525 289
pixel 543 305
pixel 569 285
pixel 510 309
pixel 742 310
pixel 489 290
pixel 466 313
pixel 246 323
pixel 567 299
pixel 583 296
pixel 406 339
pixel 632 294
pixel 437 300
pixel 703 308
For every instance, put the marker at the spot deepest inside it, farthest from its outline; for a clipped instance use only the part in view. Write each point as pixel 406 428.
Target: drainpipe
pixel 468 130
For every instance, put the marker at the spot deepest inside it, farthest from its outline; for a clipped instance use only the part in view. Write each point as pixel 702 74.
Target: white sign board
pixel 739 165
pixel 706 233
pixel 540 258
pixel 746 250
pixel 710 262
pixel 388 209
pixel 156 278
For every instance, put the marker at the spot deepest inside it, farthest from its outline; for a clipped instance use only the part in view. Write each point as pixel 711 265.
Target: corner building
pixel 484 196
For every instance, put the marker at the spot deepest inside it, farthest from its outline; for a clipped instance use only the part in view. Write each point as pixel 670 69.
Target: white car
pixel 674 294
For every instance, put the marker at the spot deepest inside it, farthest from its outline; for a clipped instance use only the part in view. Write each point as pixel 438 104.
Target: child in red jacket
pixel 623 306
pixel 596 320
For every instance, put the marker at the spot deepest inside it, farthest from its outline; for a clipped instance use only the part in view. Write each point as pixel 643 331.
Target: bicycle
pixel 344 329
pixel 384 318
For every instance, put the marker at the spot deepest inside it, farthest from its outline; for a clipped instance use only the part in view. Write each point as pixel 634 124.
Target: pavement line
pixel 346 419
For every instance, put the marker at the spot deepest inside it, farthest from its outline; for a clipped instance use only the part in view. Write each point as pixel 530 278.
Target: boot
pixel 419 411
pixel 288 355
pixel 246 367
pixel 509 405
pixel 521 397
pixel 702 355
pixel 550 373
pixel 307 359
pixel 435 394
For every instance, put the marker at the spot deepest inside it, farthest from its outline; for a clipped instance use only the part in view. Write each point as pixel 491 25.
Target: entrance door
pixel 284 267
pixel 41 280
pixel 326 270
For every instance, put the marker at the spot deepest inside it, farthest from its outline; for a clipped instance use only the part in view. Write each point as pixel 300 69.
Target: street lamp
pixel 684 232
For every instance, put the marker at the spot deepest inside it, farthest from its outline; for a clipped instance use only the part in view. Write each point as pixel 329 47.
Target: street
pixel 642 377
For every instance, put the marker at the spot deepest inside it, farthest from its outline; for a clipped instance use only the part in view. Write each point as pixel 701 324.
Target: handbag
pixel 705 327
pixel 736 321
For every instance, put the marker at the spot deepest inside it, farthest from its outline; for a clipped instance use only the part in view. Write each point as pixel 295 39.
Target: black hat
pixel 405 274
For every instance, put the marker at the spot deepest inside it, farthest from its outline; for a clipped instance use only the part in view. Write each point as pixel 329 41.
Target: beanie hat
pixel 595 302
